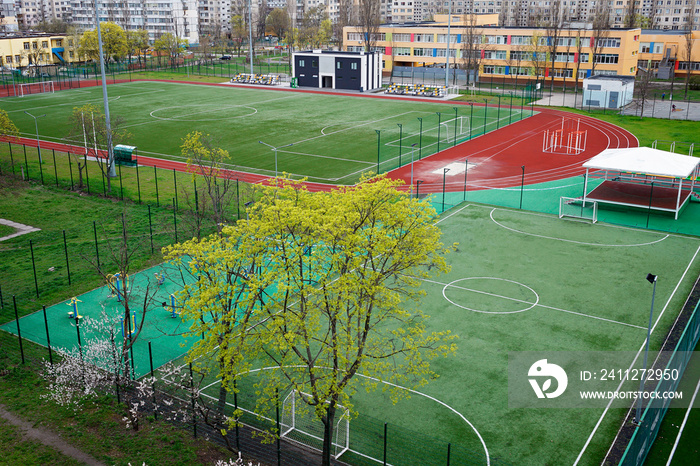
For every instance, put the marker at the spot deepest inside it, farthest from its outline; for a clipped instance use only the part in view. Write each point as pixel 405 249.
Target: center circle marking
pixel 452 284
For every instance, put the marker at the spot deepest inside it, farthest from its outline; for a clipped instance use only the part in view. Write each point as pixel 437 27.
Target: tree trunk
pixel 328 425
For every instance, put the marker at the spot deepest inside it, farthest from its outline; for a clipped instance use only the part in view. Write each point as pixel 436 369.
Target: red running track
pixel 498 156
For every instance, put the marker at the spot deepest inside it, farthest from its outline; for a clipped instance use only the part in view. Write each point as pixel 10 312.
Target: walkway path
pixel 47 438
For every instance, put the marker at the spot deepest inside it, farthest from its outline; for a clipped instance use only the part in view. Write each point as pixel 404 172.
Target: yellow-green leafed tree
pixel 7 127
pixel 320 287
pixel 114 43
pixel 170 44
pixel 216 194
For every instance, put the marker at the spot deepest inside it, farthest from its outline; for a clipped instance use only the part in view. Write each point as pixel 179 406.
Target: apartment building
pixel 505 52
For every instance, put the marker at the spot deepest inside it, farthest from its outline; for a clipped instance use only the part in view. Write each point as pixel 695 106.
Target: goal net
pixel 41 87
pixel 578 208
pixel 454 128
pixel 298 422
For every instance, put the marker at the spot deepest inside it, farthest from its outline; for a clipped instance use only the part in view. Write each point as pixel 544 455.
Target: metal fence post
pixel 19 332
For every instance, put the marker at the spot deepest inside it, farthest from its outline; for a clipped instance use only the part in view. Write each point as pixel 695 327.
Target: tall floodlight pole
pixel 36 128
pixel 638 418
pixel 275 149
pixel 111 170
pixel 250 35
pixel 447 64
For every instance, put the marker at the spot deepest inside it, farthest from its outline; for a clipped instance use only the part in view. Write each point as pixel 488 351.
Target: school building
pixel 507 52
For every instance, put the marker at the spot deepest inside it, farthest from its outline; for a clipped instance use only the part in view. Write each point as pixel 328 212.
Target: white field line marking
pixel 685 419
pixel 325 157
pixel 641 348
pixel 208 111
pixel 572 241
pixel 551 216
pixel 535 304
pixel 481 439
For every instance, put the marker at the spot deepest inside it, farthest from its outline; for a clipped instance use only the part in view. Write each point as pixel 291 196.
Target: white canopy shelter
pixel 634 175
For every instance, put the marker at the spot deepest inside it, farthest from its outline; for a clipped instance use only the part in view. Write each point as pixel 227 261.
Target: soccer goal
pixel 298 422
pixel 41 87
pixel 454 128
pixel 574 207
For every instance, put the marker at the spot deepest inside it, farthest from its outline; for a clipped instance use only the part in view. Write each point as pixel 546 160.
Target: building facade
pixel 506 52
pixel 38 49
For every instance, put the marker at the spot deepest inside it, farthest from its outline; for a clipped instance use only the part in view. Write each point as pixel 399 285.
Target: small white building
pixel 360 71
pixel 602 91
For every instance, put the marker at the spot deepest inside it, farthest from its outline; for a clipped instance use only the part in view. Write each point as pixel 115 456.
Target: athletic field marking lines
pixel 410 390
pixel 532 305
pixel 639 352
pixel 207 111
pixel 572 241
pixel 685 419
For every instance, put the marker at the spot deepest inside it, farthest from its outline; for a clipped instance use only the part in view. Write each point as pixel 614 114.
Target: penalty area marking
pixel 573 241
pixel 410 390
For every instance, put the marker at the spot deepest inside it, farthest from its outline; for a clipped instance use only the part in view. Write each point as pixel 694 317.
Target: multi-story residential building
pixel 506 52
pixel 22 49
pixel 179 17
pixel 8 16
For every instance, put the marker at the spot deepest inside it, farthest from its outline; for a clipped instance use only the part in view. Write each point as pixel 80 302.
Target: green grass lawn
pixel 334 137
pixel 26 451
pixel 5 230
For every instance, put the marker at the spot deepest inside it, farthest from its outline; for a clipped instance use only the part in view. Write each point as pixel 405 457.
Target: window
pixel 379 37
pixel 402 37
pixel 355 36
pixel 520 40
pixel 520 70
pixel 496 39
pixel 611 42
pixel 44 44
pixel 564 57
pixel 314 64
pixel 71 54
pixel 645 47
pixel 339 65
pixel 422 52
pixel 442 38
pixel 70 42
pixel 492 69
pixel 402 51
pixel 423 38
pixel 563 73
pixel 606 58
pixel 583 58
pixel 353 65
pixel 26 46
pixel 8 59
pixel 566 41
pixel 301 63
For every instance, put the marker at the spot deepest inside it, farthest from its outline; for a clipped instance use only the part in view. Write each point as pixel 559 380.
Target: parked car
pixel 225 57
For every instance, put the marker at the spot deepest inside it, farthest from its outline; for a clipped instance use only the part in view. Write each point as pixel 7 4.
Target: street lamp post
pixel 418 183
pixel 522 185
pixel 275 149
pixel 439 124
pixel 466 169
pixel 651 279
pixel 498 118
pixel 413 147
pixel 454 143
pixel 444 173
pixel 379 137
pixel 400 141
pixel 420 139
pixel 36 128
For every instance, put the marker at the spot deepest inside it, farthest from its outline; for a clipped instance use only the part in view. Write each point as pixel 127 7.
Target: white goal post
pixel 448 128
pixel 40 87
pixel 575 207
pixel 298 422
